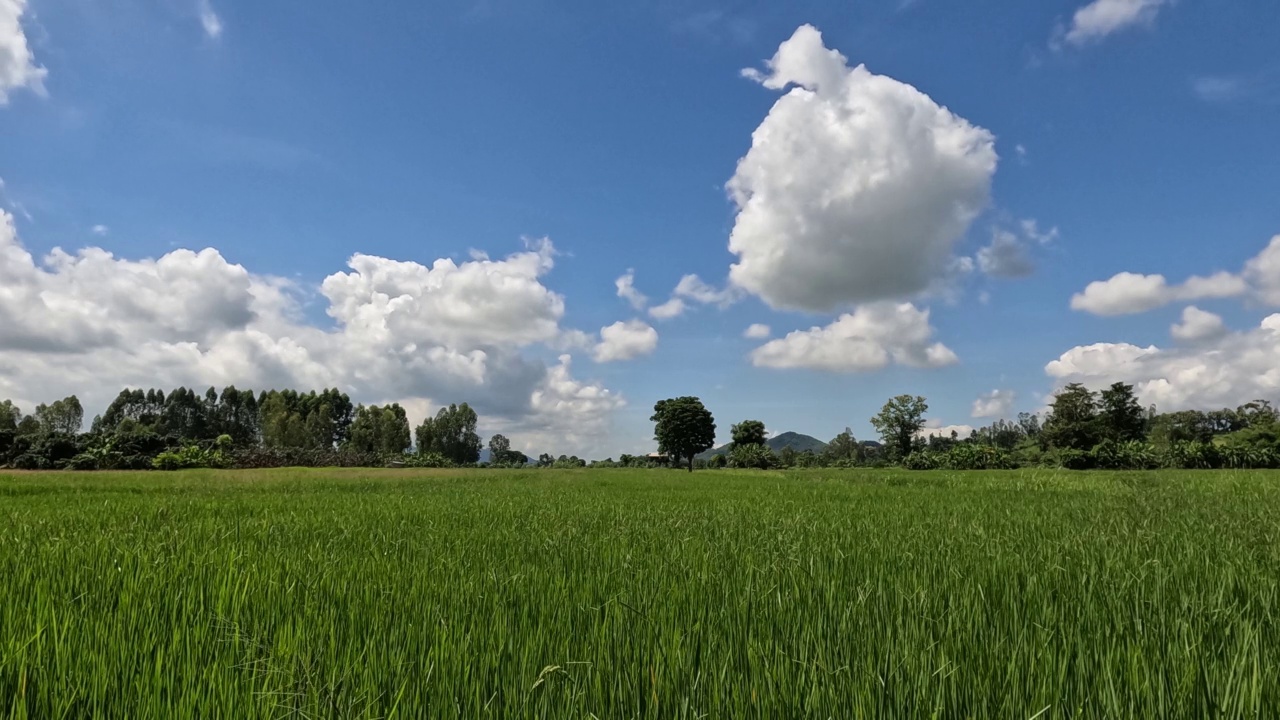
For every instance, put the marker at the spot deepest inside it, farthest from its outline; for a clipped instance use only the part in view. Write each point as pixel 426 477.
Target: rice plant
pixel 639 594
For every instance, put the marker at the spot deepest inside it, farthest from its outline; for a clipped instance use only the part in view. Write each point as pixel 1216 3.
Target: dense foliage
pixel 184 429
pixel 683 428
pixel 1082 430
pixel 528 594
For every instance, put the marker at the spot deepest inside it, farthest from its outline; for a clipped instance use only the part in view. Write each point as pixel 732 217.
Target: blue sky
pixel 1138 135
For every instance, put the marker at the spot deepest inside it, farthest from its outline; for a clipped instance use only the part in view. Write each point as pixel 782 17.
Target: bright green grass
pixel 647 594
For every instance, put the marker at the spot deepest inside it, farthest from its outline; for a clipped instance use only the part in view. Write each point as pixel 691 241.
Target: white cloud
pixel 1198 326
pixel 1235 368
pixel 18 68
pixel 935 428
pixel 856 185
pixel 1031 231
pixel 692 287
pixel 209 20
pixel 757 331
pixel 995 404
pixel 1101 18
pixel 867 339
pixel 469 305
pixel 1005 257
pixel 626 286
pixel 1263 273
pixel 100 230
pixel 672 308
pixel 625 341
pixel 1128 293
pixel 90 323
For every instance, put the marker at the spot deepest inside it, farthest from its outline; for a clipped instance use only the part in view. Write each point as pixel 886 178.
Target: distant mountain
pixel 796 441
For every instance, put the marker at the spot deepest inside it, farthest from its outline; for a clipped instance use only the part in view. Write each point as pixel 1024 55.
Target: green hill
pixel 794 440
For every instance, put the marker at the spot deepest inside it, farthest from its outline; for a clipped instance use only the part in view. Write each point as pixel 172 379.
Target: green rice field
pixel 639 594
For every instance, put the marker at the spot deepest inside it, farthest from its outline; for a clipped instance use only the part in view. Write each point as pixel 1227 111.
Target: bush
pixel 921 460
pixel 1191 456
pixel 1132 455
pixel 426 460
pixel 190 456
pixel 257 458
pixel 971 456
pixel 84 461
pixel 1070 459
pixel 752 457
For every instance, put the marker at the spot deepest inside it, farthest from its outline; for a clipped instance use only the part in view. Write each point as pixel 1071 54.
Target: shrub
pixel 190 456
pixel 921 460
pixel 971 456
pixel 255 458
pixel 1191 456
pixel 753 457
pixel 84 461
pixel 426 460
pixel 1071 459
pixel 1132 455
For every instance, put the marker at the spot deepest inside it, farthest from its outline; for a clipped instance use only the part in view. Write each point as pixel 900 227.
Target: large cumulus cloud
pixel 90 323
pixel 856 185
pixel 1225 369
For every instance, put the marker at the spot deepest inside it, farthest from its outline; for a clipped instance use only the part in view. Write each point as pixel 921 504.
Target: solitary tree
pixel 899 422
pixel 748 432
pixel 683 428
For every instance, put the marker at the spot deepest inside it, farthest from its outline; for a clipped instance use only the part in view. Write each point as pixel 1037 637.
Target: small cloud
pixel 100 230
pixel 758 331
pixel 209 20
pixel 1217 89
pixel 1235 88
pixel 995 404
pixel 1022 153
pixel 1101 18
pixel 626 286
pixel 1031 231
pixel 672 308
pixel 1005 257
pixel 625 341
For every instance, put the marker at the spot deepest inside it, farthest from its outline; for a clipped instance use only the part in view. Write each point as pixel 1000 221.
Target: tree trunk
pixel 690 463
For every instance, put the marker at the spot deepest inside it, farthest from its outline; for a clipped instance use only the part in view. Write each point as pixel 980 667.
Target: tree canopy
pixel 683 428
pixel 748 432
pixel 899 423
pixel 452 434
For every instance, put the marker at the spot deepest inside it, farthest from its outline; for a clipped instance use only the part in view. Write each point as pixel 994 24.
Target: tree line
pixel 1082 429
pixel 239 428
